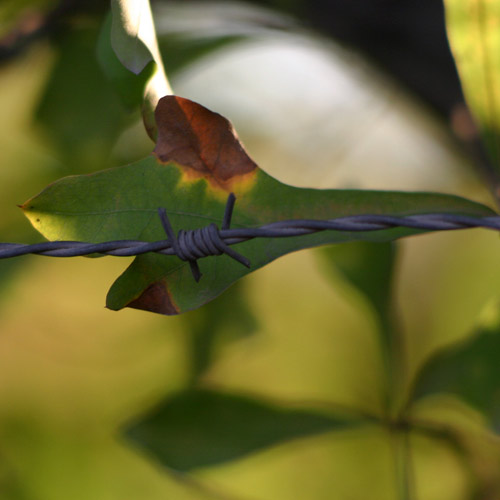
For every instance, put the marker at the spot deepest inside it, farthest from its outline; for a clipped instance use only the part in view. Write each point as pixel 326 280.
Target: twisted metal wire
pixel 196 243
pixel 210 240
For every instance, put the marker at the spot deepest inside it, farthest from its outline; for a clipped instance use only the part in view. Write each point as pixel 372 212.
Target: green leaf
pixel 129 55
pixel 129 86
pixel 473 30
pixel 70 109
pixel 368 267
pixel 197 161
pixel 225 319
pixel 200 428
pixel 469 369
pixel 132 33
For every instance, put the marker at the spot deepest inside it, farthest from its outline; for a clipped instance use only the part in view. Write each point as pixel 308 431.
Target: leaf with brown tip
pixel 197 160
pixel 203 142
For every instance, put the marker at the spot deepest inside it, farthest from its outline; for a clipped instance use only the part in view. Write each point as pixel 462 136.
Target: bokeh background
pixel 323 94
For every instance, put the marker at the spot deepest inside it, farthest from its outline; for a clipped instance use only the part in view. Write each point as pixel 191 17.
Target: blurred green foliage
pixel 78 87
pixel 475 38
pixel 200 428
pixel 468 370
pixel 291 352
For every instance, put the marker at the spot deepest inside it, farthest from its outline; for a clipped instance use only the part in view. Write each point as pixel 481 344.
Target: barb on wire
pixel 195 244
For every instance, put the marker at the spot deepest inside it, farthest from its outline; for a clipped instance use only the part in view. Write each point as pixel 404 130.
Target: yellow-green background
pixel 71 372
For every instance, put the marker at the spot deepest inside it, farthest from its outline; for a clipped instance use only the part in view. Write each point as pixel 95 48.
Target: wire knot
pixel 195 244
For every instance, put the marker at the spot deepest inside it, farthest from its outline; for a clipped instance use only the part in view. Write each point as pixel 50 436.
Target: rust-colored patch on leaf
pixel 204 143
pixel 156 298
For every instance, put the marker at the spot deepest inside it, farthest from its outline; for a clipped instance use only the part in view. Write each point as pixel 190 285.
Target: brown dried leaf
pixel 203 142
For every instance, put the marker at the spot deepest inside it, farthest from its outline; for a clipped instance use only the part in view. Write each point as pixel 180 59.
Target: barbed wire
pixel 194 244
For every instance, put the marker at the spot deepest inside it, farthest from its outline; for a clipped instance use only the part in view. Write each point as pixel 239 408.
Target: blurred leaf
pixel 129 86
pixel 12 489
pixel 132 34
pixel 452 421
pixel 368 267
pixel 200 428
pixel 226 318
pixel 9 270
pixel 11 485
pixel 198 160
pixel 469 370
pixel 71 107
pixel 474 33
pixel 129 41
pixel 179 51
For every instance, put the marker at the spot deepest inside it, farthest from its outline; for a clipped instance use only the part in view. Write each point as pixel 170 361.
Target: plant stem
pixel 403 463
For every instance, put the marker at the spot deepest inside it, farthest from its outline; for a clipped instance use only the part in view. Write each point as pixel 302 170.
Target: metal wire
pixel 210 240
pixel 196 243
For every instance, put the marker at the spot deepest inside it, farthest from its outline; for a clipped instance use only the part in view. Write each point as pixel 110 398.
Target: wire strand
pixel 190 245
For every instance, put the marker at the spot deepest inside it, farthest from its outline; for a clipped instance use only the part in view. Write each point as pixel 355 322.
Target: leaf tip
pixel 25 206
pixel 155 298
pixel 202 142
